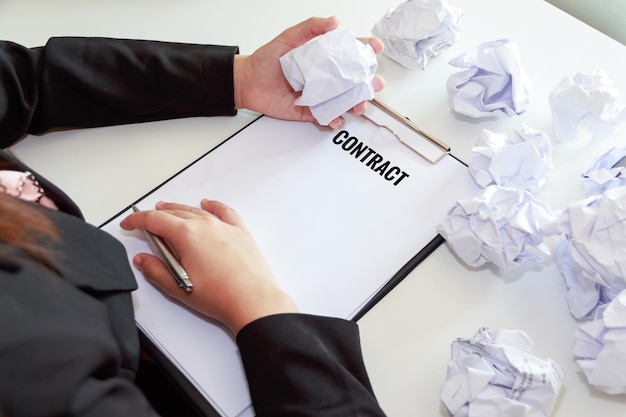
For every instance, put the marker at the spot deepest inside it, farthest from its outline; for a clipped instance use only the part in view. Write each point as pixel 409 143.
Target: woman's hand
pixel 261 86
pixel 231 279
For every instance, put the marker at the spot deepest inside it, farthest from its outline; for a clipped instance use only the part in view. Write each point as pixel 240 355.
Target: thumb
pixel 157 272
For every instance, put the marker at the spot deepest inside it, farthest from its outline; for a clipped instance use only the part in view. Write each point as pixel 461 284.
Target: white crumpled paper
pixel 493 82
pixel 500 225
pixel 600 347
pixel 520 159
pixel 586 103
pixel 495 374
pixel 591 253
pixel 606 171
pixel 334 72
pixel 418 30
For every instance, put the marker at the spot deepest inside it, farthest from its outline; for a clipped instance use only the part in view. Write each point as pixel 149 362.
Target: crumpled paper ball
pixel 499 225
pixel 591 253
pixel 586 103
pixel 520 159
pixel 605 172
pixel 600 347
pixel 496 374
pixel 334 72
pixel 417 30
pixel 492 83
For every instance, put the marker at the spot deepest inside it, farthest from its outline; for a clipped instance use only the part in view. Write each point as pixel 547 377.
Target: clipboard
pixel 341 217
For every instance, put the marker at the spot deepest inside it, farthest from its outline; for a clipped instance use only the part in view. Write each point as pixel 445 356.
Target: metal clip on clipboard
pixel 424 144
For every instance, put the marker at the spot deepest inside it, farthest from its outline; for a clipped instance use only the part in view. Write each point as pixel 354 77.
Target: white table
pixel 406 337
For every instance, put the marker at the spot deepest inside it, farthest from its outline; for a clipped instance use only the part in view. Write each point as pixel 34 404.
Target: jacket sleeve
pixel 89 82
pixel 303 365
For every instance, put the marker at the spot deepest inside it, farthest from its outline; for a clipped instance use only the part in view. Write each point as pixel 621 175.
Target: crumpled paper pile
pixel 591 256
pixel 492 82
pixel 417 30
pixel 334 72
pixel 520 159
pixel 495 374
pixel 592 251
pixel 586 103
pixel 500 225
pixel 600 347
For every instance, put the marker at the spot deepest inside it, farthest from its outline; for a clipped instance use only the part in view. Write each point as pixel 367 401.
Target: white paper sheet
pixel 492 83
pixel 500 226
pixel 519 159
pixel 586 104
pixel 495 374
pixel 336 214
pixel 334 72
pixel 417 30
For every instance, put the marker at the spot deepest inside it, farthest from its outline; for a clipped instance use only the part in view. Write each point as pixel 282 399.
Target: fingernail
pixel 137 262
pixel 336 124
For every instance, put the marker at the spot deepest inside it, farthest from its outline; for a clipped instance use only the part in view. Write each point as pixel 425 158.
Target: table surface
pixel 406 337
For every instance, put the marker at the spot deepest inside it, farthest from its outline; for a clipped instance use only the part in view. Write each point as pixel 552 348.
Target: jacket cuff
pixel 300 364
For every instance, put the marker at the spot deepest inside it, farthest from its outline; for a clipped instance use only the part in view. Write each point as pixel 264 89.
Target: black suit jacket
pixel 69 345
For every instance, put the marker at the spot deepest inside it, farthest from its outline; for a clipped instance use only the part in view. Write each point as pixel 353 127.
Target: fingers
pixel 222 212
pixel 378 83
pixel 337 123
pixel 315 26
pixel 305 31
pixel 377 45
pixel 158 273
pixel 359 108
pixel 161 223
pixel 165 220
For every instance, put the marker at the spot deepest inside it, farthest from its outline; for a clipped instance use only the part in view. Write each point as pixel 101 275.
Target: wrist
pixel 239 76
pixel 277 303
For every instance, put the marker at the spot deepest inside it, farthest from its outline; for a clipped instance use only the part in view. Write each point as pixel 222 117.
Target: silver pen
pixel 169 258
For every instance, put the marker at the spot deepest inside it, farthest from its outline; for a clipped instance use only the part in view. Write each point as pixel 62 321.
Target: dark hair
pixel 22 225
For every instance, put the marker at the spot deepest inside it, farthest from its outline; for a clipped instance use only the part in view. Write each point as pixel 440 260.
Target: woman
pixel 69 345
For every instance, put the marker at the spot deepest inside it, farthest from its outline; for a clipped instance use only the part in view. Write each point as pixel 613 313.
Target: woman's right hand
pixel 231 279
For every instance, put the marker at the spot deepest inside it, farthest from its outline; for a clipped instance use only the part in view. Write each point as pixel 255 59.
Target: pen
pixel 170 260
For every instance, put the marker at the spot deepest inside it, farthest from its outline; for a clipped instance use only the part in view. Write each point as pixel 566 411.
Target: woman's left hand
pixel 261 86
